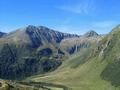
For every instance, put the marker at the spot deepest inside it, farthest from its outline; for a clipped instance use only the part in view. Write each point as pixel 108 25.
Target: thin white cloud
pixel 81 7
pixel 101 27
pixel 68 28
pixel 104 26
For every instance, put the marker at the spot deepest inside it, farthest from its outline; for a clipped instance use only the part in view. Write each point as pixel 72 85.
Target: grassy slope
pixel 96 73
pixel 81 77
pixel 112 56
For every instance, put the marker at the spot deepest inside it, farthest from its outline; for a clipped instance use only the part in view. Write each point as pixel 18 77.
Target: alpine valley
pixel 39 58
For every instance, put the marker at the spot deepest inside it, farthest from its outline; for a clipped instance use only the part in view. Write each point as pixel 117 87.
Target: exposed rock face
pixel 40 35
pixel 72 45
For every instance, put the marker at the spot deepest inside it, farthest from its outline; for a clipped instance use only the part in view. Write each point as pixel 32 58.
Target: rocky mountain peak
pixel 2 34
pixel 34 28
pixel 41 34
pixel 91 33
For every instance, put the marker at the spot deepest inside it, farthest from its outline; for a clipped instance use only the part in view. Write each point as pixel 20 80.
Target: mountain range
pixel 55 59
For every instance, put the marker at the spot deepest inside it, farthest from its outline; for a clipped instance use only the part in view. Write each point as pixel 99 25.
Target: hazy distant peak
pixel 91 33
pixel 2 34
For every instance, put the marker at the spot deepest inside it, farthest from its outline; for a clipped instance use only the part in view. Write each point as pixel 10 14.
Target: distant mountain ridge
pixel 37 49
pixel 2 34
pixel 91 33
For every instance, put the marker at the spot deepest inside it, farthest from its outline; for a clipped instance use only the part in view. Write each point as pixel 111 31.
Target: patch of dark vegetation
pixel 18 63
pixel 0 84
pixel 112 73
pixel 45 52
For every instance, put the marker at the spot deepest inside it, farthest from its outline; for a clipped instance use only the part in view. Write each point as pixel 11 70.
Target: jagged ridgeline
pixel 30 50
pixel 38 49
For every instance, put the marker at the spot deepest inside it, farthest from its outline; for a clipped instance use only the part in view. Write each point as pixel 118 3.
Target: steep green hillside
pixel 79 73
pixel 96 68
pixel 112 55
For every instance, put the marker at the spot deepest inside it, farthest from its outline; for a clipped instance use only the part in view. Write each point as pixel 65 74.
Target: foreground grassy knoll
pixel 17 85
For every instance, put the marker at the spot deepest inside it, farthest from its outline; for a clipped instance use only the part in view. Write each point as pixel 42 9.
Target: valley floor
pixel 85 77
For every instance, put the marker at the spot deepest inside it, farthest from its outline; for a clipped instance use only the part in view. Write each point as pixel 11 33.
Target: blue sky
pixel 73 16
